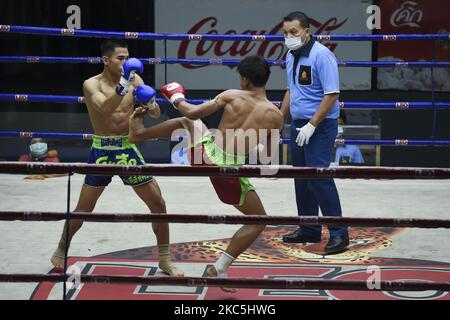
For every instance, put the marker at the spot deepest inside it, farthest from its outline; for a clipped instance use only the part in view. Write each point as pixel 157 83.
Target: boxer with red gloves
pixel 111 98
pixel 174 92
pixel 244 111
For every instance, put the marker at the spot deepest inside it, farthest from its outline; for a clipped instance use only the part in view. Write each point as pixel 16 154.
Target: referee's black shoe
pixel 337 244
pixel 301 237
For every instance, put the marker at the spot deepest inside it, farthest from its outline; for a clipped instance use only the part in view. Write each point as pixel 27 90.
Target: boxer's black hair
pixel 109 46
pixel 256 69
pixel 36 140
pixel 300 17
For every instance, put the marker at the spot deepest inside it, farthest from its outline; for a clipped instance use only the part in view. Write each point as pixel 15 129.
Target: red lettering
pixel 331 46
pixel 218 47
pixel 247 46
pixel 200 51
pixel 329 25
pixel 269 50
pixel 274 46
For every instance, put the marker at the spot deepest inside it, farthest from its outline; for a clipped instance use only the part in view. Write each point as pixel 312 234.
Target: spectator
pixel 346 154
pixel 39 152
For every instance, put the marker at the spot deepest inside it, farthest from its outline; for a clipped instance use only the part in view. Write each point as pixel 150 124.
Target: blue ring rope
pixel 390 105
pixel 88 136
pixel 226 62
pixel 13 29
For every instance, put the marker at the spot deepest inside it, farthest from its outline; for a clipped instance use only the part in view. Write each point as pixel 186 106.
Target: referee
pixel 312 100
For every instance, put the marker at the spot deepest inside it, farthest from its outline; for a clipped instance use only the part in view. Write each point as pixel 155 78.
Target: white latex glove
pixel 304 134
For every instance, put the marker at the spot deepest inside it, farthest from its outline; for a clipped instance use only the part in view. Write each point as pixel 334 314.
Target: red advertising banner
pixel 419 16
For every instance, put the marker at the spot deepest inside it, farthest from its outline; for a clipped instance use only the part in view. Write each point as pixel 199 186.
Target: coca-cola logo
pixel 242 48
pixel 407 15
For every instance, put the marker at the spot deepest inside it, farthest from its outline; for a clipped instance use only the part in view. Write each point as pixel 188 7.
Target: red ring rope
pixel 307 284
pixel 244 171
pixel 227 219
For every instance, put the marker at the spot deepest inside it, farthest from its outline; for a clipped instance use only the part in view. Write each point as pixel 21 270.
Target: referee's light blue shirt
pixel 316 75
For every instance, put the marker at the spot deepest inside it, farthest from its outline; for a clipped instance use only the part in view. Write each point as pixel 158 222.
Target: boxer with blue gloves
pixel 145 96
pixel 128 75
pixel 111 98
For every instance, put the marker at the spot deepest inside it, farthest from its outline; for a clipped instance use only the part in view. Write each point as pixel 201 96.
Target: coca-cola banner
pixel 419 16
pixel 255 17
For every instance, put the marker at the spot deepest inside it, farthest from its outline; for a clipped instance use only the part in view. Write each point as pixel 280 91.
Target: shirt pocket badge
pixel 305 75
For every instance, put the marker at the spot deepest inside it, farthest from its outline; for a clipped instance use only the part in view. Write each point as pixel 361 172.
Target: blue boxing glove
pixel 145 96
pixel 129 68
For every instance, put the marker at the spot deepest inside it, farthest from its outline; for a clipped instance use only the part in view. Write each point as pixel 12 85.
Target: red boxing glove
pixel 174 92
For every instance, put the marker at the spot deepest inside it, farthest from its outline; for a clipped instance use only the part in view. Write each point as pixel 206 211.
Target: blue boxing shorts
pixel 115 150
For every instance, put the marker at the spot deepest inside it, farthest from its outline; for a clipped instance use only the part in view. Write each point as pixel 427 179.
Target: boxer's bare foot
pixel 58 262
pixel 212 272
pixel 171 270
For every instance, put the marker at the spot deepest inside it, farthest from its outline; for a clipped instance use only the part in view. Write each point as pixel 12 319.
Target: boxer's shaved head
pixel 109 46
pixel 255 69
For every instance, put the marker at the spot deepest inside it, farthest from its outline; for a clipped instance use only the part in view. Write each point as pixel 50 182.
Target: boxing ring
pixel 282 172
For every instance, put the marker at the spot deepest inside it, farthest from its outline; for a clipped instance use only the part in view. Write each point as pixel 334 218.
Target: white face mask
pixel 293 43
pixel 38 150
